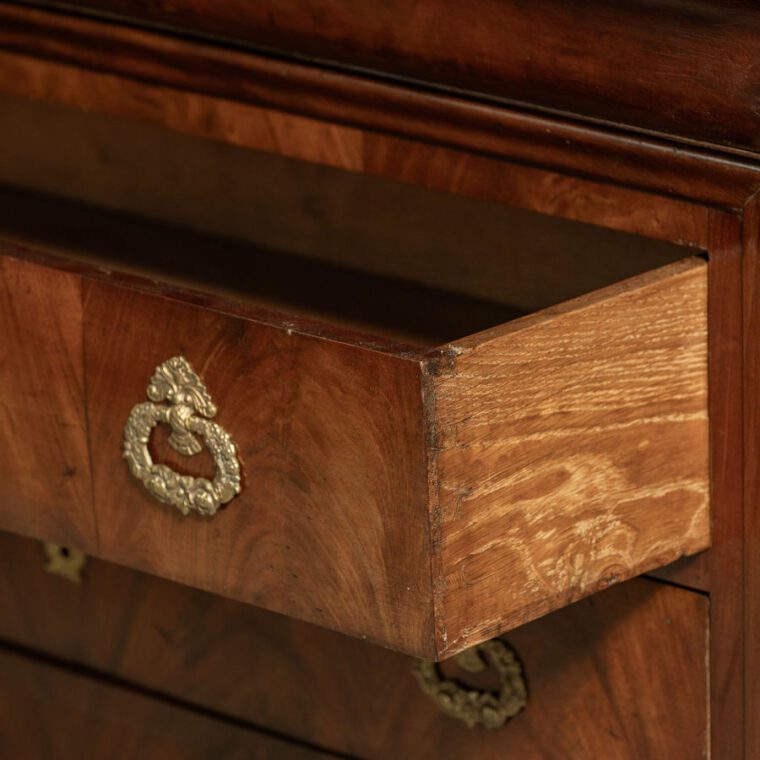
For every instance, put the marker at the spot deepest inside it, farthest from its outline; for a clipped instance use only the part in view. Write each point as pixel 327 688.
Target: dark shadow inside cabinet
pixel 387 258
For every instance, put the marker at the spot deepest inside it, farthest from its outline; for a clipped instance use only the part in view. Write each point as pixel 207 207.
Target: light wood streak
pixel 570 452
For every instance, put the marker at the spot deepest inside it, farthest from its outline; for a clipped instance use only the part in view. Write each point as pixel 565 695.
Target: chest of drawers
pixel 305 312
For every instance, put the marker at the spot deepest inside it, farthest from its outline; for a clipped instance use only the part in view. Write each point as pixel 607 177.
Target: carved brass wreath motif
pixel 187 410
pixel 477 707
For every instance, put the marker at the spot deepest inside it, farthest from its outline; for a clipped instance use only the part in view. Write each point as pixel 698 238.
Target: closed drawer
pixel 621 675
pixel 423 496
pixel 49 713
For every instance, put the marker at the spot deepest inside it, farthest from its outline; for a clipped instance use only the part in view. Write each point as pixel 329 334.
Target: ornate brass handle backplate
pixel 188 409
pixel 478 707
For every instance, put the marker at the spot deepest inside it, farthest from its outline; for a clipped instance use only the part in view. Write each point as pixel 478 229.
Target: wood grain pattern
pixel 751 515
pixel 398 229
pixel 333 458
pixel 51 714
pixel 353 149
pixel 331 525
pixel 727 606
pixel 44 466
pixel 566 458
pixel 349 100
pixel 601 672
pixel 567 171
pixel 665 65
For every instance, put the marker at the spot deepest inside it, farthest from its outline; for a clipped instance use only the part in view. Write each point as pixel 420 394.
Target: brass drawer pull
pixel 63 561
pixel 188 412
pixel 478 707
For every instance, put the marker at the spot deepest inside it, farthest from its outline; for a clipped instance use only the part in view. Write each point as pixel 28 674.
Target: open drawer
pixel 423 497
pixel 427 451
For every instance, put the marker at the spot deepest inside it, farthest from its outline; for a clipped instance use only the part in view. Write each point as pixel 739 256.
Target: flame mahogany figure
pixel 651 131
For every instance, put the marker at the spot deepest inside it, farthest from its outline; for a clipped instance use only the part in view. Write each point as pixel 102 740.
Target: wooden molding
pixel 363 103
pixel 678 67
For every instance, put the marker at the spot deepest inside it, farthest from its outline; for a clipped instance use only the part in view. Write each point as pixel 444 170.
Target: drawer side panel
pixel 571 452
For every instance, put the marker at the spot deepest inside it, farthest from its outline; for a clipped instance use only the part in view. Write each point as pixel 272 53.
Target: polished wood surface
pixel 336 524
pixel 331 523
pixel 320 539
pixel 751 531
pixel 47 713
pixel 727 419
pixel 669 66
pixel 44 464
pixel 457 244
pixel 401 159
pixel 601 673
pixel 584 426
pixel 647 184
pixel 343 124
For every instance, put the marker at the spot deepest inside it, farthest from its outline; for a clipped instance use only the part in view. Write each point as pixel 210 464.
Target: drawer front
pixel 621 675
pixel 426 498
pixel 331 523
pixel 44 465
pixel 49 713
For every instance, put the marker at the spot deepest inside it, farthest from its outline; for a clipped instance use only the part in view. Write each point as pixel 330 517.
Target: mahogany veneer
pixel 52 714
pixel 479 501
pixel 495 461
pixel 658 65
pixel 600 672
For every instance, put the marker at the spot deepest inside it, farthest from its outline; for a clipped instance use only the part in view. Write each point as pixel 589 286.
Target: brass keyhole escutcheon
pixel 64 561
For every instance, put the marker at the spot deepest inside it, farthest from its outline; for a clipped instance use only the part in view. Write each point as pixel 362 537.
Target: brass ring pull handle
pixel 188 411
pixel 478 707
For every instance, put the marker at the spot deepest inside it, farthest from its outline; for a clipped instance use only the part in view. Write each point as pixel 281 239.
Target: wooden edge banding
pixel 751 516
pixel 694 268
pixel 565 458
pixel 223 305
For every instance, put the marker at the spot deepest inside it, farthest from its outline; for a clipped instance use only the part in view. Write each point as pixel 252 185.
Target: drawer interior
pixel 392 492
pixel 394 260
